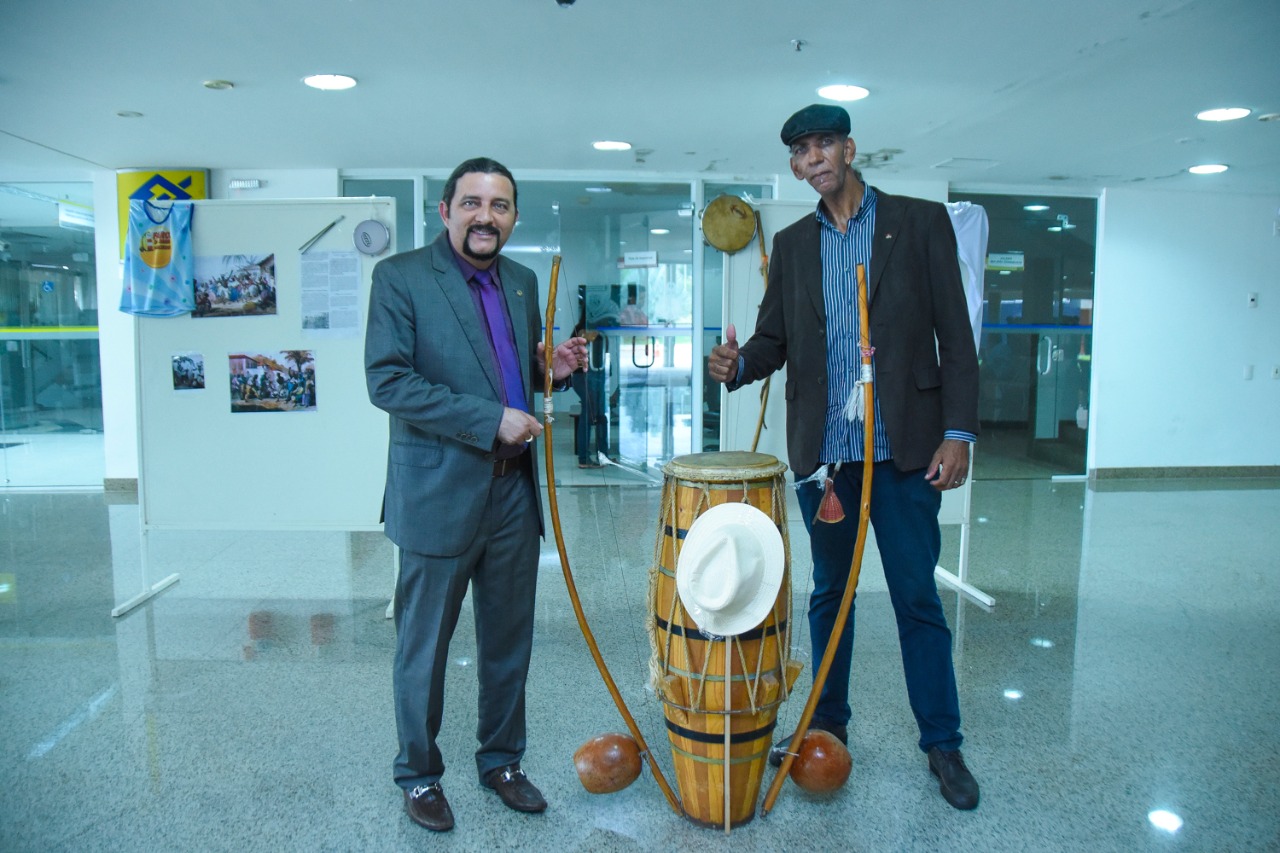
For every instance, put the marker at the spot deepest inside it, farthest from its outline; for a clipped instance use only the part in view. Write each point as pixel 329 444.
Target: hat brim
pixel 707 532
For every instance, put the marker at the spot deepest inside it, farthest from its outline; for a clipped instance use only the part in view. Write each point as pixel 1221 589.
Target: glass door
pixel 1035 352
pixel 642 318
pixel 50 382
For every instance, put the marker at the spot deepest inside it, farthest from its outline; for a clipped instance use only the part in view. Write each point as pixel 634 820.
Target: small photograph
pixel 188 371
pixel 235 285
pixel 282 381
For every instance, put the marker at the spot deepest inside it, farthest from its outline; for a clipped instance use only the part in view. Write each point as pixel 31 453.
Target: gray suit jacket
pixel 916 297
pixel 429 365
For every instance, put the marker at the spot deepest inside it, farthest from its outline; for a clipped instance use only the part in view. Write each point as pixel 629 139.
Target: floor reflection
pixel 1125 669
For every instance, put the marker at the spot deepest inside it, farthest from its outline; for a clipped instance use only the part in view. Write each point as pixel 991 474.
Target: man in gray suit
pixel 452 352
pixel 926 411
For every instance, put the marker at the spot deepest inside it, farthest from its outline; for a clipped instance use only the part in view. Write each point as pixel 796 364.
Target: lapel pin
pixel 519 293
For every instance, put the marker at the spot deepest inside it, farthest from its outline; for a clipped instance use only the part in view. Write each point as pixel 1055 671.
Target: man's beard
pixel 481 256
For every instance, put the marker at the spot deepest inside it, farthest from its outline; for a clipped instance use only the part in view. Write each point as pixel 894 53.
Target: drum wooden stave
pixel 688 667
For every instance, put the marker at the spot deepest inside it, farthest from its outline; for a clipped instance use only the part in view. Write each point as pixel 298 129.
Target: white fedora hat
pixel 730 568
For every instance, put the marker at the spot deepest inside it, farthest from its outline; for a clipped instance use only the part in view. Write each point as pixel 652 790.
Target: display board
pixel 282 434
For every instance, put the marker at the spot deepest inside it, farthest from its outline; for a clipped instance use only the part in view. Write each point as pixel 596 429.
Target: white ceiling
pixel 1069 96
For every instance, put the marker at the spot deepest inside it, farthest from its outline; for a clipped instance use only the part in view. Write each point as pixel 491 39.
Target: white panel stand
pixel 149 590
pixel 955 510
pixel 128 533
pixel 145 595
pixel 970 224
pixel 957 581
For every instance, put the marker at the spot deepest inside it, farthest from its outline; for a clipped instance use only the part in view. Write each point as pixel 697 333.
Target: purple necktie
pixel 503 343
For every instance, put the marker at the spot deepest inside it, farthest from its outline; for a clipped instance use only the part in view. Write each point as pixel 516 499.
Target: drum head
pixel 725 466
pixel 728 223
pixel 371 237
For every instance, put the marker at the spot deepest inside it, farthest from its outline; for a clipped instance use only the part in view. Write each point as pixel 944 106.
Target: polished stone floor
pixel 1130 666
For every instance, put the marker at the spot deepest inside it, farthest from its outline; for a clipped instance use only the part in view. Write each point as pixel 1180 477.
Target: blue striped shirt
pixel 841 253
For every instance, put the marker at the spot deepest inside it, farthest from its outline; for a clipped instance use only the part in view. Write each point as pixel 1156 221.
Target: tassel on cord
pixel 855 408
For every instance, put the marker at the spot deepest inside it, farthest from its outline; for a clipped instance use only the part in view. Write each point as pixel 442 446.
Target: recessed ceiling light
pixel 1035 208
pixel 659 230
pixel 611 145
pixel 1223 114
pixel 329 82
pixel 1207 169
pixel 843 92
pixel 219 84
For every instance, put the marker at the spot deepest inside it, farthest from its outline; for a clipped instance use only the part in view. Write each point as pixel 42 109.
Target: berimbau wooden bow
pixel 864 517
pixel 764 389
pixel 547 408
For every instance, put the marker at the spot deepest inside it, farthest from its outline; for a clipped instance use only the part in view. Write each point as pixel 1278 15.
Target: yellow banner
pixel 157 184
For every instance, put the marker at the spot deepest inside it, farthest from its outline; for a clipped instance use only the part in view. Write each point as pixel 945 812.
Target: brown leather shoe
pixel 956 783
pixel 515 789
pixel 427 807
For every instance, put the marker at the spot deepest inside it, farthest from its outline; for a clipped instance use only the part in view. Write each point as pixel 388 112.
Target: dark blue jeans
pixel 904 515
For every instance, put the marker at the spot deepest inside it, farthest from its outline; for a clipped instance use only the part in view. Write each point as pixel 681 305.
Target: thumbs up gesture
pixel 722 363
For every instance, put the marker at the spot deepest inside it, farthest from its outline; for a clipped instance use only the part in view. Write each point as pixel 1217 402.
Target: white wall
pixel 115 339
pixel 1173 332
pixel 277 183
pixel 116 330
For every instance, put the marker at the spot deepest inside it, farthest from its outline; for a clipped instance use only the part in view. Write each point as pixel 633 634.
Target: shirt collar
pixel 469 269
pixel 864 209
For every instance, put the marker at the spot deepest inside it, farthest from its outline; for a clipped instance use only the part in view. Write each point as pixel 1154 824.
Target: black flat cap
pixel 816 118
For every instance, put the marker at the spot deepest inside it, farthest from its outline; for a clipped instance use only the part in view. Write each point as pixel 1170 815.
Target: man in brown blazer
pixel 926 411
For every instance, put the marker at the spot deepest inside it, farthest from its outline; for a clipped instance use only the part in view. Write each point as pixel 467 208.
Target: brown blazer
pixel 926 368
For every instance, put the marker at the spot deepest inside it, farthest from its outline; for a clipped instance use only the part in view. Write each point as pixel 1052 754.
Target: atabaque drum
pixel 720 694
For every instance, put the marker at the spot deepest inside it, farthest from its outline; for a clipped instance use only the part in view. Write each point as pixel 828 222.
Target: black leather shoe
pixel 954 779
pixel 779 751
pixel 427 807
pixel 515 789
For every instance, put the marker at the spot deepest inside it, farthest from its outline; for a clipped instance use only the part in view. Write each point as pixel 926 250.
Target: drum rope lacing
pixel 674 611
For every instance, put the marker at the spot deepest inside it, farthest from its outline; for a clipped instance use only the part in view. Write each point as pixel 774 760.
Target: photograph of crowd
pixel 235 285
pixel 188 371
pixel 273 382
